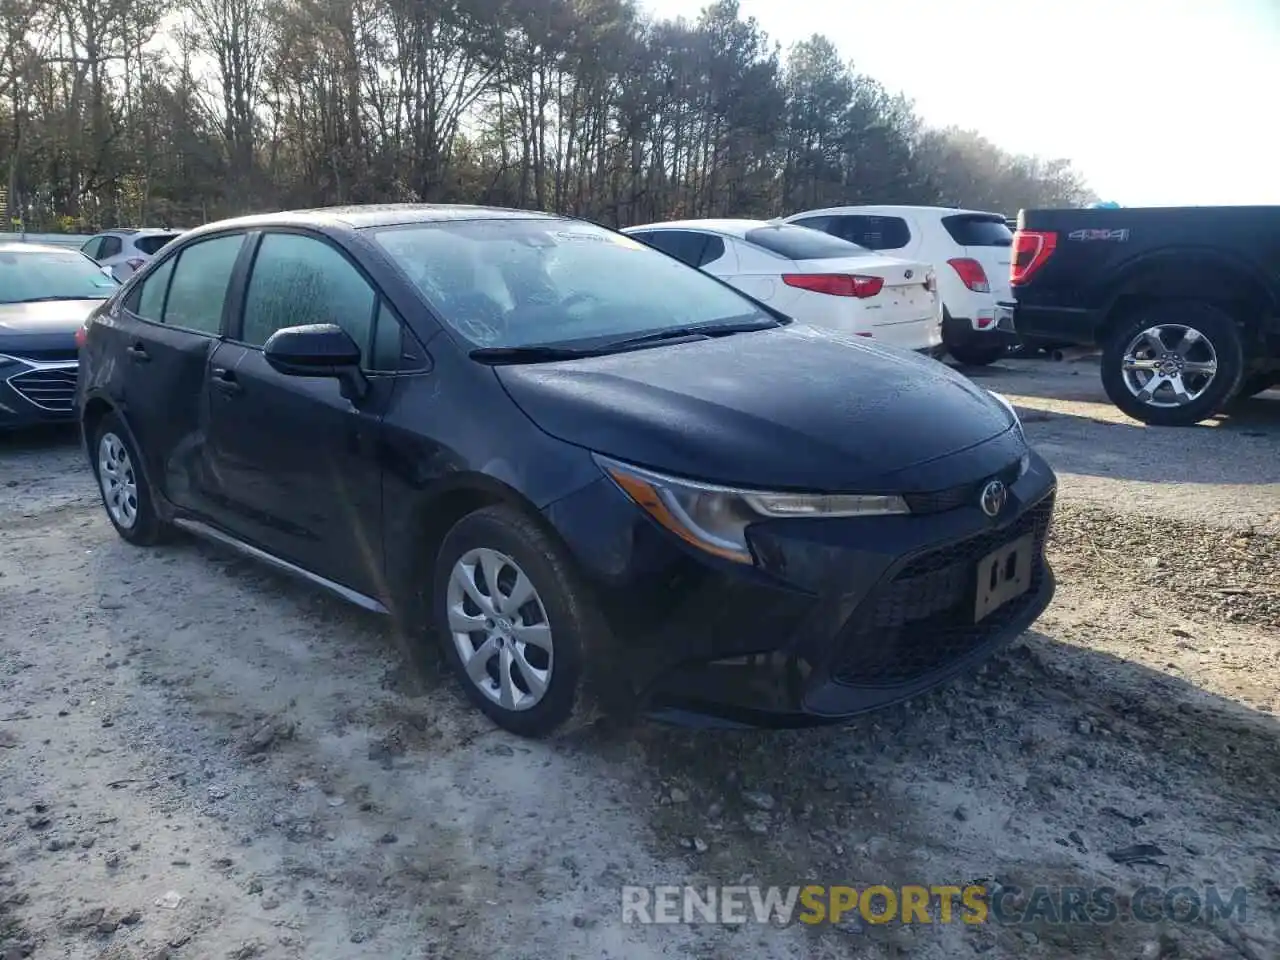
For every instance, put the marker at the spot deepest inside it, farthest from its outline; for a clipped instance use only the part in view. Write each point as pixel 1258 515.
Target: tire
pixel 501 539
pixel 126 495
pixel 976 353
pixel 1216 353
pixel 968 346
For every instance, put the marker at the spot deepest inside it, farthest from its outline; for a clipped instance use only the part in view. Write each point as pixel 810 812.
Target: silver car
pixel 124 251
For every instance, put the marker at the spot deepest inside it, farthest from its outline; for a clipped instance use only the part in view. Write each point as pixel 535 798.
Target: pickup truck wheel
pixel 1173 364
pixel 516 622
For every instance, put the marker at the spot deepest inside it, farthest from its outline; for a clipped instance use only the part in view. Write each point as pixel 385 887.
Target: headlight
pixel 1024 464
pixel 715 519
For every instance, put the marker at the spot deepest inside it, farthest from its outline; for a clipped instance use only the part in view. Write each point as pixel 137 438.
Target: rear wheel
pixel 968 346
pixel 516 622
pixel 125 492
pixel 1173 364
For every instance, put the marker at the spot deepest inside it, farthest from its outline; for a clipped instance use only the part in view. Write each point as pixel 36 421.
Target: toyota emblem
pixel 993 497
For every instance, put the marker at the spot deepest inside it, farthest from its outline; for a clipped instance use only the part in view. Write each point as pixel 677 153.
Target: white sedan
pixel 811 276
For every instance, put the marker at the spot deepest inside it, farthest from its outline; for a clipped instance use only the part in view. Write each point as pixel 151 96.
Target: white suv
pixel 124 251
pixel 968 249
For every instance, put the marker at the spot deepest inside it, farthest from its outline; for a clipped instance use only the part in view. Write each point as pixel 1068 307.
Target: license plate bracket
pixel 1003 574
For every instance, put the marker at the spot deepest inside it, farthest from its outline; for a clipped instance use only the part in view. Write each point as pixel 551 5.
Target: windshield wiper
pixel 530 354
pixel 694 330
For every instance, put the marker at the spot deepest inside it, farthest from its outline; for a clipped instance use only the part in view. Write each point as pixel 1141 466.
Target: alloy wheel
pixel 499 628
pixel 118 481
pixel 1169 365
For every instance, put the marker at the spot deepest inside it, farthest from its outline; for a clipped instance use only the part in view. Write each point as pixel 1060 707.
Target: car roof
pixel 729 228
pixel 364 216
pixel 16 247
pixel 891 209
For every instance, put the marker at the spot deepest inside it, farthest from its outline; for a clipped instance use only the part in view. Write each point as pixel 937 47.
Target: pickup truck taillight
pixel 1031 248
pixel 971 274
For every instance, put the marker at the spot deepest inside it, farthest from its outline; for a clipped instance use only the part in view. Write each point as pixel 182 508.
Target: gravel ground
pixel 201 759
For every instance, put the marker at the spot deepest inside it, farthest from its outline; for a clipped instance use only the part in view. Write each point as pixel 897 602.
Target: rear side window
pixel 111 246
pixel 800 243
pixel 151 245
pixel 681 244
pixel 972 231
pixel 148 300
pixel 199 285
pixel 874 233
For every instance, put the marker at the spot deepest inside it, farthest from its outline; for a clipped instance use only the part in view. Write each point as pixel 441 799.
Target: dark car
pixel 602 478
pixel 46 293
pixel 1183 301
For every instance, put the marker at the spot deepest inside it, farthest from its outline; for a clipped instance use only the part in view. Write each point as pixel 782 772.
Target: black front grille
pixel 53 390
pixel 924 617
pixel 966 494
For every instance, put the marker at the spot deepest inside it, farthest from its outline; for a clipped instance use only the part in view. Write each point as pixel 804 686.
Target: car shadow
pixel 1041 770
pixel 43 437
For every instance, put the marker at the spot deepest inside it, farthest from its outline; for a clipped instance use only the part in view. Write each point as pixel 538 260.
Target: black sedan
pixel 600 478
pixel 46 293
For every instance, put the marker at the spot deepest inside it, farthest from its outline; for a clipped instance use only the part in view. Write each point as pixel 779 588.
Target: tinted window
pixel 151 245
pixel 199 285
pixel 712 252
pixel 148 300
pixel 110 247
pixel 52 275
pixel 299 280
pixel 815 223
pixel 800 243
pixel 681 244
pixel 516 282
pixel 971 231
pixel 874 233
pixel 91 247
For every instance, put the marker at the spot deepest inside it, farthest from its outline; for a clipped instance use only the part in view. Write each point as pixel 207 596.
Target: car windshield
pixel 520 283
pixel 31 275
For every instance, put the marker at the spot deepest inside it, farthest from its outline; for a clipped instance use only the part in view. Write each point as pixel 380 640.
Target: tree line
pixel 150 112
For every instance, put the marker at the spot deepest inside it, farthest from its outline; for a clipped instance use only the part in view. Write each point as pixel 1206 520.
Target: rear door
pixel 159 345
pixel 295 463
pixel 985 237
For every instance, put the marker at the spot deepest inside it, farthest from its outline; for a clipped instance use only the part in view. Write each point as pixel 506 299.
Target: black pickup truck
pixel 1183 301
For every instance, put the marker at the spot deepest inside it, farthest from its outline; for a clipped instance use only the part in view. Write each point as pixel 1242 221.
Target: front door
pixel 293 465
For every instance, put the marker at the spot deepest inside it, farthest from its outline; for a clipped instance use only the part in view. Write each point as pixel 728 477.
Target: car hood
pixel 49 316
pixel 790 408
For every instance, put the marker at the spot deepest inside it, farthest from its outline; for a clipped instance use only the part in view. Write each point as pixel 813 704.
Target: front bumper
pixel 839 616
pixel 35 392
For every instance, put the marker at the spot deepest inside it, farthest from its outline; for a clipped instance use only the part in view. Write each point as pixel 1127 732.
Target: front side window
pixel 298 280
pixel 198 288
pixel 147 301
pixel 518 282
pixel 111 246
pixel 91 247
pixel 33 275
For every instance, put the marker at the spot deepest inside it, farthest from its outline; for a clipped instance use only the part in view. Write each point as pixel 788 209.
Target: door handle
pixel 138 353
pixel 225 380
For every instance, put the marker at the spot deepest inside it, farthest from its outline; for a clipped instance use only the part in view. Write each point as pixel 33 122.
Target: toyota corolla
pixel 596 476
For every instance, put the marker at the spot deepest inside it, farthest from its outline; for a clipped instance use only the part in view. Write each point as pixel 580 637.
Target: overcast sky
pixel 1155 101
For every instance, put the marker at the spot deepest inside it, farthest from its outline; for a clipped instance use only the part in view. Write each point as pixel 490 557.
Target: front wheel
pixel 1174 364
pixel 516 622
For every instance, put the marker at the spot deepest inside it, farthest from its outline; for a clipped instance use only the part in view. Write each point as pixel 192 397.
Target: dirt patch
pixel 201 759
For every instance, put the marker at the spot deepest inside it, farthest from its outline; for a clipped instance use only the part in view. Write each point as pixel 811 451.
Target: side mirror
pixel 318 350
